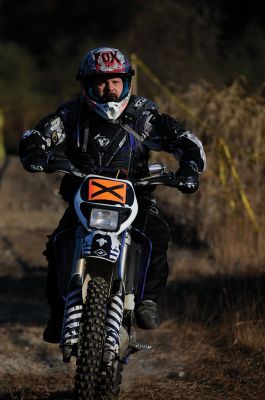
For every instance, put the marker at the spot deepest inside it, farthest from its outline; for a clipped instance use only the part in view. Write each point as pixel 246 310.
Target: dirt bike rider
pixel 109 131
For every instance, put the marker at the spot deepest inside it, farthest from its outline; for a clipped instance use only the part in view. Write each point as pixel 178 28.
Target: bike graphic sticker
pixel 106 189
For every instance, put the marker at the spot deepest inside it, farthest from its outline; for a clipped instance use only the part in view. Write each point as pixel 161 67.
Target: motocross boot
pixel 52 332
pixel 146 315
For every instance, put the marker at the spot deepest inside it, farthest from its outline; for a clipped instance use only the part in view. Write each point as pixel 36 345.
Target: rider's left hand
pixel 187 178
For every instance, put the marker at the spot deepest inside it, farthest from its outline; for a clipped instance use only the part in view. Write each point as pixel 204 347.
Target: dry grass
pixel 222 220
pixel 203 363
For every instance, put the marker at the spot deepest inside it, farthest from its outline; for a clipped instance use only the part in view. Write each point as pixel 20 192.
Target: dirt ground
pixel 210 343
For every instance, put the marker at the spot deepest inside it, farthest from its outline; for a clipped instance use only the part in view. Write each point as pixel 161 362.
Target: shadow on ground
pixel 18 395
pixel 211 298
pixel 202 299
pixel 22 300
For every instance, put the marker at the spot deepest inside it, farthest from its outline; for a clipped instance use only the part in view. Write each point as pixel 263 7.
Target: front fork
pixel 126 272
pixel 73 302
pixel 118 303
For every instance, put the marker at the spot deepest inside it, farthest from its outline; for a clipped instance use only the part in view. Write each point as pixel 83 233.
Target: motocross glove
pixel 36 161
pixel 33 151
pixel 187 177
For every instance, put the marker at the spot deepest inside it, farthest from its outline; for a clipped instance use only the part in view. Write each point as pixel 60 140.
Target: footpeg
pixel 134 348
pixel 142 346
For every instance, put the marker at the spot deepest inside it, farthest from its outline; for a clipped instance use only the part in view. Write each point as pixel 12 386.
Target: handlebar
pixel 161 177
pixel 63 165
pixel 165 178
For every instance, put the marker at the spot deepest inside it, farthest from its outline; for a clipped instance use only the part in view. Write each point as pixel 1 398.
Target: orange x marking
pixel 105 189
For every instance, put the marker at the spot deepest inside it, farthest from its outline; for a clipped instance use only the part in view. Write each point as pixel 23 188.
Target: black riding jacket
pixel 111 148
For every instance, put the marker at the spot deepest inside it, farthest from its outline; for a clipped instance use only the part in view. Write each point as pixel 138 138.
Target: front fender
pixel 104 245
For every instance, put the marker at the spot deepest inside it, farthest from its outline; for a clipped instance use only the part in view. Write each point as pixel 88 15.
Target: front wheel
pixel 110 381
pixel 91 340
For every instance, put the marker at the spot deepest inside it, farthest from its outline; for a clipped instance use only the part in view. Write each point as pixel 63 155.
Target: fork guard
pixel 104 245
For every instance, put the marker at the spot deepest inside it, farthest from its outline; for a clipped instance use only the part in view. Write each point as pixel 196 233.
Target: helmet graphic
pixel 110 62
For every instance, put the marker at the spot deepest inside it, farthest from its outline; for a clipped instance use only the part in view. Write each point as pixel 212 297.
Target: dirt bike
pixel 104 279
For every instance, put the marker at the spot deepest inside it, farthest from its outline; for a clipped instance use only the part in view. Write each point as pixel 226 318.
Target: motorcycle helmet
pixel 105 61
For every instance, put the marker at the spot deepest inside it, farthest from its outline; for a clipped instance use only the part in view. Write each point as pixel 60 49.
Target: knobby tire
pixel 109 382
pixel 91 340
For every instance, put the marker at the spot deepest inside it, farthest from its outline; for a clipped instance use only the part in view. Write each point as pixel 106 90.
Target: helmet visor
pixel 90 85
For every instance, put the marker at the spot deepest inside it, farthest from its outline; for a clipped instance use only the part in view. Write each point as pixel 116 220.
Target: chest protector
pixel 106 148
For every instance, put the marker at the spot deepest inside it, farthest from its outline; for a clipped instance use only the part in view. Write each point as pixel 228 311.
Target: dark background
pixel 30 23
pixel 40 26
pixel 42 43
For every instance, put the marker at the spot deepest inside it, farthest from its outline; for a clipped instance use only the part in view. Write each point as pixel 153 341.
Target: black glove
pixel 32 151
pixel 36 161
pixel 187 177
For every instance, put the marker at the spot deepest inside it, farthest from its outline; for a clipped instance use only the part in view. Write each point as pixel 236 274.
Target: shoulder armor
pixel 137 105
pixel 52 129
pixel 70 106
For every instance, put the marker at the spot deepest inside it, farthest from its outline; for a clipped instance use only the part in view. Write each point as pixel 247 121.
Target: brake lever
pixel 167 179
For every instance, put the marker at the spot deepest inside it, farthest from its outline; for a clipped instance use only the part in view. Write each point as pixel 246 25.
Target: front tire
pixel 91 340
pixel 110 381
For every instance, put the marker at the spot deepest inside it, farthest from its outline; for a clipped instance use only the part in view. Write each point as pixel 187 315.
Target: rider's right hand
pixel 33 151
pixel 36 161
